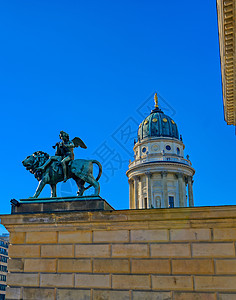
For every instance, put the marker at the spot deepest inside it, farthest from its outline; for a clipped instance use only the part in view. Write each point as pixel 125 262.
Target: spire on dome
pixel 156 108
pixel 156 100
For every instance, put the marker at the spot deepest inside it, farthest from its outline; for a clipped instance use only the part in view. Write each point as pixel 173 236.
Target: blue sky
pixel 86 67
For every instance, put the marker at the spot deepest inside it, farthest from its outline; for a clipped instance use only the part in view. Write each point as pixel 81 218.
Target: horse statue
pixel 80 170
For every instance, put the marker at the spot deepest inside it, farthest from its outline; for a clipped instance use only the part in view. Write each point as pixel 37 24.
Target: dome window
pixel 164 120
pixel 172 121
pixel 178 150
pixel 154 120
pixel 168 147
pixel 144 149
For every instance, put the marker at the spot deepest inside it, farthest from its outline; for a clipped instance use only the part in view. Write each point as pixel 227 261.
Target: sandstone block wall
pixel 161 254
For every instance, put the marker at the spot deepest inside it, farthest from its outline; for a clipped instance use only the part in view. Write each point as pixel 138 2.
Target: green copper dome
pixel 157 124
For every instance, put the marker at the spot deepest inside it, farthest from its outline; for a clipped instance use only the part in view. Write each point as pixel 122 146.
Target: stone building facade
pixel 226 10
pixel 4 242
pixel 167 254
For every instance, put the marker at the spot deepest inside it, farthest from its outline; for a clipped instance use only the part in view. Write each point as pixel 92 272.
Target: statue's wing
pixel 79 143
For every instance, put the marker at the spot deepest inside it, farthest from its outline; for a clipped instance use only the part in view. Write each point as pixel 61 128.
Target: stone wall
pixel 161 254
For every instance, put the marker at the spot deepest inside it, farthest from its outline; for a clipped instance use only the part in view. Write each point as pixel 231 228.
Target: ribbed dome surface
pixel 157 124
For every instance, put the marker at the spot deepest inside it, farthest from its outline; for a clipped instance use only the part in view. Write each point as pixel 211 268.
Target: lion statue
pixel 80 170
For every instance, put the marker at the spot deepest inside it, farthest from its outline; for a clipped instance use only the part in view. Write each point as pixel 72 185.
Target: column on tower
pixel 185 187
pixel 190 191
pixel 148 188
pixel 164 188
pixel 181 189
pixel 141 194
pixel 131 193
pixel 136 187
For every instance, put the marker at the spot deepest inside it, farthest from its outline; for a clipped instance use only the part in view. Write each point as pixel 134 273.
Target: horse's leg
pixel 40 187
pixel 97 187
pixel 91 180
pixel 80 184
pixel 53 190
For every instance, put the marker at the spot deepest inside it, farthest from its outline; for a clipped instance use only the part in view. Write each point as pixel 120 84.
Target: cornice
pixel 162 166
pixel 226 28
pixel 195 217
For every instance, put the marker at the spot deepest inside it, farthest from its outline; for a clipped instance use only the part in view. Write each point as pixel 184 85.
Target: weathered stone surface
pixel 110 295
pixel 40 265
pixel 41 237
pixel 151 295
pixel 75 237
pixel 73 294
pixel 74 265
pixel 17 238
pixel 111 266
pixel 109 217
pixel 111 236
pixel 200 217
pixel 56 280
pixel 70 204
pixel 140 282
pixel 227 296
pixel 150 266
pixel 170 250
pixel 13 293
pixel 215 283
pixel 92 251
pixel 15 265
pixel 49 207
pixel 225 266
pixel 194 296
pixel 35 207
pixel 38 294
pixel 190 234
pixel 129 250
pixel 92 281
pixel 172 283
pixel 193 266
pixel 21 251
pixel 22 279
pixel 153 235
pixel 57 251
pixel 213 250
pixel 96 257
pixel 224 234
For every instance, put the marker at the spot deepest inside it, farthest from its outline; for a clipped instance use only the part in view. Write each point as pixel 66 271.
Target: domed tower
pixel 160 176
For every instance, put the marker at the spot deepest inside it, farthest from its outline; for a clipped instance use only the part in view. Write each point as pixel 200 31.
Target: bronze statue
pixel 65 151
pixel 62 166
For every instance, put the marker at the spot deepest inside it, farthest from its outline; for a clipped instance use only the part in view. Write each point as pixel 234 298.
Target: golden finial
pixel 156 100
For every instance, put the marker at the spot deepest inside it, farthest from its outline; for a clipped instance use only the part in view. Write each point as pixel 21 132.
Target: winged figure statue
pixel 53 169
pixel 65 150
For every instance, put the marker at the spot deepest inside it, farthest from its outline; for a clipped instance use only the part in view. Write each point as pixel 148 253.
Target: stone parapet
pixel 174 254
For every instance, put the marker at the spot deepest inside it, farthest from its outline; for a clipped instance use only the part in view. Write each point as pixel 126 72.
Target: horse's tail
pixel 99 173
pixel 100 168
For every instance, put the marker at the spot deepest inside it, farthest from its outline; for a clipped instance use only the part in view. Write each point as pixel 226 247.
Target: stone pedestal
pixel 65 204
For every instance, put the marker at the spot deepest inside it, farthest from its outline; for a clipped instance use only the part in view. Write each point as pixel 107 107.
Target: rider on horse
pixel 65 150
